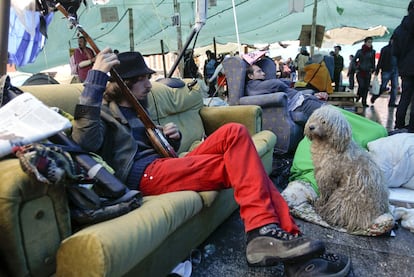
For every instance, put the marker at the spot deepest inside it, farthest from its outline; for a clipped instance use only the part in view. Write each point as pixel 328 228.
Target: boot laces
pixel 330 257
pixel 277 232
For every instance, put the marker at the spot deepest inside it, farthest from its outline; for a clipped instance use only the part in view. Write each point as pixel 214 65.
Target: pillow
pixel 395 156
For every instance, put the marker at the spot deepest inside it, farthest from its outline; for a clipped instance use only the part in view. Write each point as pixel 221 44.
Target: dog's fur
pixel 352 191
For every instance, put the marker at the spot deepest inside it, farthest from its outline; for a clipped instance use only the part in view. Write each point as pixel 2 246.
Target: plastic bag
pixel 375 86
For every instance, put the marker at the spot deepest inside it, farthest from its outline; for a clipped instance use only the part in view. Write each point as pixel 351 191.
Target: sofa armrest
pixel 276 99
pixel 34 219
pixel 248 115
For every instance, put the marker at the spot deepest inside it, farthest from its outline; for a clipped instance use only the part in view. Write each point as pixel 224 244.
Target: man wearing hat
pixel 106 123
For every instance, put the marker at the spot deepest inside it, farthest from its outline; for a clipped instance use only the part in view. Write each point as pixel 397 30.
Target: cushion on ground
pixel 395 156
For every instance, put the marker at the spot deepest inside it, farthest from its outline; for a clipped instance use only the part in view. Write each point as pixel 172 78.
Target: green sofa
pixel 35 230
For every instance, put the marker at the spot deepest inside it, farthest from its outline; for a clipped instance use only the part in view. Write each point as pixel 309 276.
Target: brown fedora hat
pixel 132 64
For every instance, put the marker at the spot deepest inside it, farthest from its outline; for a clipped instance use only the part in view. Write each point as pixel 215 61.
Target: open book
pixel 25 119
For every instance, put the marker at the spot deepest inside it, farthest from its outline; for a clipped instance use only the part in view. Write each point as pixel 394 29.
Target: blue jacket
pixel 403 45
pixel 109 130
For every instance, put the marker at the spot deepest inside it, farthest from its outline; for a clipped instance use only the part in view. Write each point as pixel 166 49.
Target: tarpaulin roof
pixel 258 21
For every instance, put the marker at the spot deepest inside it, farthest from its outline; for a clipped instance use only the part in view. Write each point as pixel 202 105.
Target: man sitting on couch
pixel 106 123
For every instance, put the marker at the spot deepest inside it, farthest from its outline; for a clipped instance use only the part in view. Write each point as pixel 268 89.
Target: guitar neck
pixel 156 137
pixel 141 113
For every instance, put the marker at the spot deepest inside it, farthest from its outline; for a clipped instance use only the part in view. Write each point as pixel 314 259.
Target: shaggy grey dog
pixel 351 186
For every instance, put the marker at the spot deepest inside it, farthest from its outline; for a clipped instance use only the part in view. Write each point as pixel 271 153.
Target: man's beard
pixel 144 102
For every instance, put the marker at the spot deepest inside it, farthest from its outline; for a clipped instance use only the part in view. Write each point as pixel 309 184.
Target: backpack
pixel 94 193
pixel 89 202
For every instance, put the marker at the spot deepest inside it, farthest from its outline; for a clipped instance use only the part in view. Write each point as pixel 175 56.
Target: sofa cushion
pixel 63 96
pixel 113 247
pixel 178 105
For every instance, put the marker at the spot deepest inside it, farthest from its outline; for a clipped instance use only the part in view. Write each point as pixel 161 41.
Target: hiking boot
pixel 328 264
pixel 270 244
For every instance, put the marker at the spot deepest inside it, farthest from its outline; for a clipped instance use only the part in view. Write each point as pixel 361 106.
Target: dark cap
pixel 132 64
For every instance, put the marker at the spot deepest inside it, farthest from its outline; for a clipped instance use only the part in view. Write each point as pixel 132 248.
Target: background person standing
pixel 387 63
pixel 365 65
pixel 209 68
pixel 84 58
pixel 300 61
pixel 403 50
pixel 338 67
pixel 351 73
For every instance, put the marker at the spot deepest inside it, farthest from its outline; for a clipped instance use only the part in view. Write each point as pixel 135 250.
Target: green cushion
pixel 178 105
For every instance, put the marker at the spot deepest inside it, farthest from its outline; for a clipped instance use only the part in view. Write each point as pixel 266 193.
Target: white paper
pixel 25 119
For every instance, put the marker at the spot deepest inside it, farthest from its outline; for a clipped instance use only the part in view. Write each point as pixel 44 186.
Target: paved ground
pixel 223 252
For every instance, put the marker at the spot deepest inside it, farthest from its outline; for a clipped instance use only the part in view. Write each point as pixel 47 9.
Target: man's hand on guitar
pixel 171 131
pixel 105 60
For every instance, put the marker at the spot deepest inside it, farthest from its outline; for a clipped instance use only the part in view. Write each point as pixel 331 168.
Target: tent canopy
pixel 258 21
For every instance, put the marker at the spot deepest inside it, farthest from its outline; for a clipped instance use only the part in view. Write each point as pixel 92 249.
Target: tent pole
pixel 215 47
pixel 313 29
pixel 163 58
pixel 131 30
pixel 201 13
pixel 180 56
pixel 237 28
pixel 179 37
pixel 4 34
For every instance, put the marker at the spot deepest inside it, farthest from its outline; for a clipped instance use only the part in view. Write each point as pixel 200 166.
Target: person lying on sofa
pixel 106 123
pixel 297 100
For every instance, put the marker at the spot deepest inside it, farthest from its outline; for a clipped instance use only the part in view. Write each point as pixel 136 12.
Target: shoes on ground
pixel 270 244
pixel 365 105
pixel 328 264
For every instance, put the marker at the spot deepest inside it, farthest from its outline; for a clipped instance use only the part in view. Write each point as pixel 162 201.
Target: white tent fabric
pixel 259 21
pixel 352 35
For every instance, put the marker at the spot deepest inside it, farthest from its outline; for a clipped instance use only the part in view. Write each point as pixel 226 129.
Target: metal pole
pixel 131 30
pixel 4 34
pixel 179 38
pixel 215 47
pixel 177 61
pixel 163 58
pixel 236 26
pixel 201 13
pixel 313 29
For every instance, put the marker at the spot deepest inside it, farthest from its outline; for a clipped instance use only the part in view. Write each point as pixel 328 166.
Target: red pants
pixel 227 158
